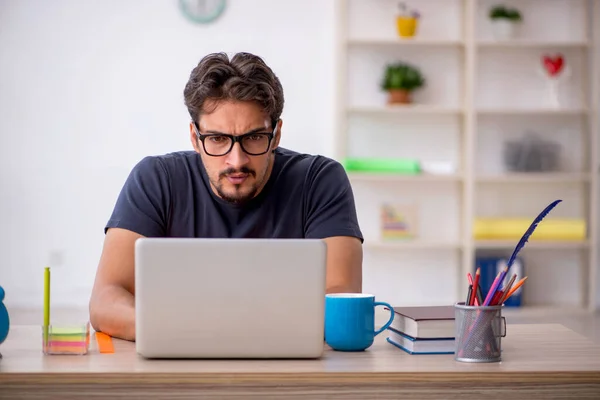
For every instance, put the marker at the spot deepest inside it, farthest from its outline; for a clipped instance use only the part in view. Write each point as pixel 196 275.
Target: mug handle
pixel 387 324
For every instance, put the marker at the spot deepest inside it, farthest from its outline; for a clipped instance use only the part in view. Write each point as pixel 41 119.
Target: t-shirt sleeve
pixel 143 203
pixel 330 205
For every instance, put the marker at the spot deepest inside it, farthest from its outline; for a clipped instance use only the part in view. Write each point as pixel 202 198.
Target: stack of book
pixel 423 330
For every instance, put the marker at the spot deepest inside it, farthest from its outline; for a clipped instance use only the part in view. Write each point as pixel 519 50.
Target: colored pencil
pixel 507 289
pixel 475 286
pixel 46 302
pixel 494 287
pixel 514 288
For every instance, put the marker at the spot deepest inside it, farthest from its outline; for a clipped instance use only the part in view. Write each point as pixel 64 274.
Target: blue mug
pixel 350 320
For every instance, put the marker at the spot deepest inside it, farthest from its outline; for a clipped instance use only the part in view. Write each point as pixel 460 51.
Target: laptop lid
pixel 229 298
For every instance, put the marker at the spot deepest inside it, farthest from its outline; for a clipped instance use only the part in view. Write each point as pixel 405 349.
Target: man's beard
pixel 236 198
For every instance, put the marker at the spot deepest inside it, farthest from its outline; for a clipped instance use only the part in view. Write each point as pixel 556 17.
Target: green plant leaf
pixel 402 76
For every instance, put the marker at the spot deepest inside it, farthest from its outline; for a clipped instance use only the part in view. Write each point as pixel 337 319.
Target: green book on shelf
pixel 405 166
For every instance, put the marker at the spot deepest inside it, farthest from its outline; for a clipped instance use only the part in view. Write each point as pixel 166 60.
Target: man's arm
pixel 112 304
pixel 140 211
pixel 331 215
pixel 344 264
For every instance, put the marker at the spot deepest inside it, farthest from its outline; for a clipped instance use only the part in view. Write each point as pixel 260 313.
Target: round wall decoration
pixel 202 11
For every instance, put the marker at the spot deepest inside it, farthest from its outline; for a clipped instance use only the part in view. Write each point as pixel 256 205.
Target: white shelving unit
pixel 479 93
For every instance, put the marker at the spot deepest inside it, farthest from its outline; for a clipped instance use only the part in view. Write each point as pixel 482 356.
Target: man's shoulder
pixel 169 163
pixel 306 163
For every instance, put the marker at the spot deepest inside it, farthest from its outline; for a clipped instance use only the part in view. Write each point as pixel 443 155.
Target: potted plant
pixel 504 21
pixel 407 21
pixel 400 80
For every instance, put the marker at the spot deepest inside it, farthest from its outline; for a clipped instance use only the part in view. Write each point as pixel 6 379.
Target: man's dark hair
pixel 245 77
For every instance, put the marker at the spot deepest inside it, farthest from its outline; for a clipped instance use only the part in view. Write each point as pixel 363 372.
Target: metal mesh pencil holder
pixel 478 333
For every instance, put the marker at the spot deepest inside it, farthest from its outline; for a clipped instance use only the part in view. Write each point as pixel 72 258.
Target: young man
pixel 237 183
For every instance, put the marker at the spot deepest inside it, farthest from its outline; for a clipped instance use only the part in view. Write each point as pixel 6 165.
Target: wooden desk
pixel 539 362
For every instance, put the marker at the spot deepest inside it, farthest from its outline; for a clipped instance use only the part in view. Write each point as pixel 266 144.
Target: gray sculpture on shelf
pixel 532 154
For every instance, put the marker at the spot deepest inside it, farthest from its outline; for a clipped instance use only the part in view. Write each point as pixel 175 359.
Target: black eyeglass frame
pixel 234 139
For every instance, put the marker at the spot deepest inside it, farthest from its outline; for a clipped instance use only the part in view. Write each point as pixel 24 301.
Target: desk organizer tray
pixel 66 339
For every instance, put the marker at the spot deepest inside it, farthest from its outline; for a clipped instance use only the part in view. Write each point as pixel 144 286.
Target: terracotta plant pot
pixel 399 96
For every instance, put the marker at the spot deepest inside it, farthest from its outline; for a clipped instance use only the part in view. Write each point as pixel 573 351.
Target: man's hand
pixel 112 304
pixel 344 264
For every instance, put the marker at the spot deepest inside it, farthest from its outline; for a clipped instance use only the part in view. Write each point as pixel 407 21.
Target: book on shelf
pixel 413 345
pixel 513 228
pixel 399 221
pixel 491 266
pixel 424 322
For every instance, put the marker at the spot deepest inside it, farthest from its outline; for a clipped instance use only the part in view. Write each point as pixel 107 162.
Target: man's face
pixel 236 176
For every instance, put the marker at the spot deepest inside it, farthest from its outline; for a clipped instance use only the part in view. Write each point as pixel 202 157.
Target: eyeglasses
pixel 219 144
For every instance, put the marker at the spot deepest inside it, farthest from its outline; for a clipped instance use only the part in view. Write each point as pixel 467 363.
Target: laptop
pixel 229 298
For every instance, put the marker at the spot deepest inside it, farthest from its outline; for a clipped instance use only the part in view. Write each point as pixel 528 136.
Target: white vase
pixel 503 29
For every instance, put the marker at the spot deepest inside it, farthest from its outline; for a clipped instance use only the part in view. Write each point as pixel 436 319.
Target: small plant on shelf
pixel 407 21
pixel 504 21
pixel 400 80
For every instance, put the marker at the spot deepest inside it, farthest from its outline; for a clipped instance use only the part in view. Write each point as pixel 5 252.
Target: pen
pixel 469 292
pixel 479 298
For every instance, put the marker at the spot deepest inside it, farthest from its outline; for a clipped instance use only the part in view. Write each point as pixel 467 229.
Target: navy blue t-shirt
pixel 169 195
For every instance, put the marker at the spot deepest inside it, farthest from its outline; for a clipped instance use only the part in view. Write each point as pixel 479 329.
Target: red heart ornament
pixel 553 65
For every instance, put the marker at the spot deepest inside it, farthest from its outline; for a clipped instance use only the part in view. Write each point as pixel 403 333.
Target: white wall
pixel 87 88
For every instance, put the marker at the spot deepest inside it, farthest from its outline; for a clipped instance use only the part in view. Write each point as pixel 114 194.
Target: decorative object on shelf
pixel 404 166
pixel 399 221
pixel 504 21
pixel 4 320
pixel 202 11
pixel 438 167
pixel 400 80
pixel 407 21
pixel 532 154
pixel 554 70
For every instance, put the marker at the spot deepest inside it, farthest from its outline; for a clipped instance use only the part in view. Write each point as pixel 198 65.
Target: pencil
pixel 517 285
pixel 494 287
pixel 46 302
pixel 507 289
pixel 475 285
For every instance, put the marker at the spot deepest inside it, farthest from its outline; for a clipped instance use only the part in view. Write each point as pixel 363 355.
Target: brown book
pixel 425 322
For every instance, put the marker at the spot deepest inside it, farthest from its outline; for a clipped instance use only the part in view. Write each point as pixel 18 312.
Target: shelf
pixel 411 245
pixel 534 177
pixel 531 43
pixel 397 41
pixel 406 109
pixel 480 92
pixel 531 111
pixel 388 177
pixel 532 244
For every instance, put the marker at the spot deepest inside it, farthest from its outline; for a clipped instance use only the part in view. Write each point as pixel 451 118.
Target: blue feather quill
pixel 530 230
pixel 518 248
